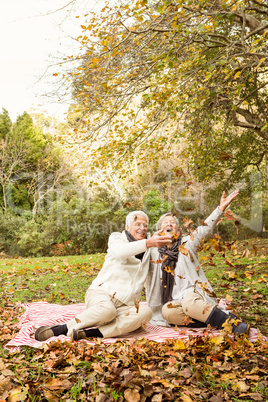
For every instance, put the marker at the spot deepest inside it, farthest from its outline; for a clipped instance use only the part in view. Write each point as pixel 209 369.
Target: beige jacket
pixel 123 275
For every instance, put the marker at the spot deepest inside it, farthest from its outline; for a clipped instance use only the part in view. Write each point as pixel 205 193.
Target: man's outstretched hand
pixel 157 240
pixel 226 201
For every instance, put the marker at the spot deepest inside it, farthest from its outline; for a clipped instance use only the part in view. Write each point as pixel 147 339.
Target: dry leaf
pixel 255 249
pixel 169 270
pixel 229 298
pixel 186 398
pixel 132 395
pixel 179 345
pixel 230 215
pixel 246 253
pixel 224 156
pixel 18 394
pixel 187 223
pixel 186 320
pixel 137 305
pixel 183 249
pixel 170 305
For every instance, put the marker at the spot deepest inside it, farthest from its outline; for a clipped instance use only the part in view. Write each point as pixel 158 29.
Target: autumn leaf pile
pixel 203 368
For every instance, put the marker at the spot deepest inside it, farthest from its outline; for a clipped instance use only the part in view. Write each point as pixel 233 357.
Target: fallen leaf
pixel 241 386
pixel 253 396
pixel 186 372
pixel 186 398
pixel 255 249
pixel 18 394
pixel 216 398
pixel 132 395
pixel 145 373
pixel 232 275
pixel 245 254
pixel 166 383
pixel 229 298
pixel 248 274
pixel 157 398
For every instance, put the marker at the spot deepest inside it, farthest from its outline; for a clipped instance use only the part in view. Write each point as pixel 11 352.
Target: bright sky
pixel 33 37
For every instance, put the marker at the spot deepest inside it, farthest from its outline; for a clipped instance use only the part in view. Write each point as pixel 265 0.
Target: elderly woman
pixel 177 289
pixel 112 298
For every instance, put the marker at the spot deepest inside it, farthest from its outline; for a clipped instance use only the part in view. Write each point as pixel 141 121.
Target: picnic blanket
pixel 43 313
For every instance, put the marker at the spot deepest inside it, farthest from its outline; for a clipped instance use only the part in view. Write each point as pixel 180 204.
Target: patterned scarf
pixel 169 256
pixel 131 238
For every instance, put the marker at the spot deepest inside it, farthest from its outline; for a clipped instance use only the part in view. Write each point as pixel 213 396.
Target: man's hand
pixel 226 201
pixel 157 240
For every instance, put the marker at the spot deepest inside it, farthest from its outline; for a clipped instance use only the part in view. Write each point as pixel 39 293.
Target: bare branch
pixel 260 3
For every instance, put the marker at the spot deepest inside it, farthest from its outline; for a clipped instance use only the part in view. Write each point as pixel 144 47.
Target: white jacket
pixel 189 262
pixel 123 275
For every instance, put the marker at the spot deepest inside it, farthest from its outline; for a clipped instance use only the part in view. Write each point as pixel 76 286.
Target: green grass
pixel 243 281
pixel 54 279
pixel 14 264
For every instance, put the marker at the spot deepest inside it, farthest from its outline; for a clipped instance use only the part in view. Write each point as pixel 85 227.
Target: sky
pixel 35 35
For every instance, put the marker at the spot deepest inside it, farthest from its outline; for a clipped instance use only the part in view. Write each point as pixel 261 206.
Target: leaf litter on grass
pixel 222 368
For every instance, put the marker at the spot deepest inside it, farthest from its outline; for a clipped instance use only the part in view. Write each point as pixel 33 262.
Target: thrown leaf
pixel 183 249
pixel 187 223
pixel 230 215
pixel 137 305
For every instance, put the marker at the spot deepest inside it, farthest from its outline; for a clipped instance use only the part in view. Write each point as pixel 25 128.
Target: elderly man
pixel 177 289
pixel 112 300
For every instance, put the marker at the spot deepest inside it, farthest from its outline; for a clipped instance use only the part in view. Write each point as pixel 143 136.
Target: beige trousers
pixel 192 306
pixel 109 314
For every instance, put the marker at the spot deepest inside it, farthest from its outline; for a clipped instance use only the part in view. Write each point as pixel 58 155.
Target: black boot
pixel 44 333
pixel 218 317
pixel 86 333
pixel 196 324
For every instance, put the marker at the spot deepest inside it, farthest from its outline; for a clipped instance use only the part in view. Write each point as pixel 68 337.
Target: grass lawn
pixel 54 279
pixel 201 369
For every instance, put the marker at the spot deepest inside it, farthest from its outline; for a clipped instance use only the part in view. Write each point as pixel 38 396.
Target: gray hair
pixel 132 215
pixel 159 222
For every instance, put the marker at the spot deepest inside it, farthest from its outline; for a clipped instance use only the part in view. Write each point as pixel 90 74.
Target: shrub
pixel 9 224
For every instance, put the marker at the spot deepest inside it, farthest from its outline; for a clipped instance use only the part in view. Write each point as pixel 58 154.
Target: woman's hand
pixel 226 201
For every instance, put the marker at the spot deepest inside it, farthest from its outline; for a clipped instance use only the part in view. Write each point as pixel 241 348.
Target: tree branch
pixel 260 3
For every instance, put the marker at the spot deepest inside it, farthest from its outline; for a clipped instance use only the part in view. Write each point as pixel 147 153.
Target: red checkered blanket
pixel 43 313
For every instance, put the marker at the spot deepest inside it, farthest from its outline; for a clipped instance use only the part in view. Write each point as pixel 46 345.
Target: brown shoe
pixel 78 334
pixel 44 333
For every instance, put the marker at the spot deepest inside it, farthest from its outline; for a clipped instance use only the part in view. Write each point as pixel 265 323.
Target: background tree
pixel 153 75
pixel 30 165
